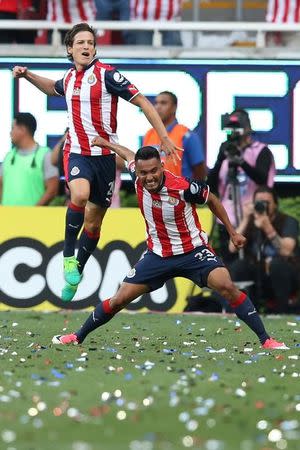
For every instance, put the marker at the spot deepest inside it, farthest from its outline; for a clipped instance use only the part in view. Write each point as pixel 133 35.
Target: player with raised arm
pixel 177 245
pixel 91 89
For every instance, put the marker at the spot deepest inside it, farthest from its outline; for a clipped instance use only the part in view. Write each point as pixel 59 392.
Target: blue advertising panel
pixel 206 89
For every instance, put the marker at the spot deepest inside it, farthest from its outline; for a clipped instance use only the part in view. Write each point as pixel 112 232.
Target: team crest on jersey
pixel 131 273
pixel 118 77
pixel 75 171
pixel 156 204
pixel 92 79
pixel 173 201
pixel 76 91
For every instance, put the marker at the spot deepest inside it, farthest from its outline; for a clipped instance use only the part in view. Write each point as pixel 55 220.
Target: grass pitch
pixel 147 382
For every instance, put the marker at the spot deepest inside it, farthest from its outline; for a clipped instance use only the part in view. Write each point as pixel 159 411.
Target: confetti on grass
pixel 148 382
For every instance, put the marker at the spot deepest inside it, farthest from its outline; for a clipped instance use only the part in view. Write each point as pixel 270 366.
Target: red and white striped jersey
pixel 71 11
pixel 155 9
pixel 92 100
pixel 283 11
pixel 172 223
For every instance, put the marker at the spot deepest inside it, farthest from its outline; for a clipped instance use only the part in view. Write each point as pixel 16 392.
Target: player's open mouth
pixel 151 184
pixel 86 54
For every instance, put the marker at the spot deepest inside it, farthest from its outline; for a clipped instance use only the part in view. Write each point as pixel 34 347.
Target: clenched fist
pixel 19 71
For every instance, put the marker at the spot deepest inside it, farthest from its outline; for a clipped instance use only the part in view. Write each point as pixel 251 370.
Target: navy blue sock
pixel 74 221
pixel 246 311
pixel 101 314
pixel 87 244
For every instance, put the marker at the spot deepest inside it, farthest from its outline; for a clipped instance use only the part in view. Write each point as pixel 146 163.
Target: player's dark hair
pixel 27 120
pixel 147 152
pixel 171 95
pixel 70 36
pixel 268 190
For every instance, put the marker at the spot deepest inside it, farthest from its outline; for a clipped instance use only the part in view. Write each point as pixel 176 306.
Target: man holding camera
pixel 242 165
pixel 272 255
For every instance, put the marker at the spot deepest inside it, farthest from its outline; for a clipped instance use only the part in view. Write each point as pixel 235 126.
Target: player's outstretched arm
pixel 219 211
pixel 120 150
pixel 43 84
pixel 152 115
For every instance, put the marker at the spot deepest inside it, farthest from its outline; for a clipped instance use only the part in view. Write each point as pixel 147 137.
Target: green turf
pixel 147 382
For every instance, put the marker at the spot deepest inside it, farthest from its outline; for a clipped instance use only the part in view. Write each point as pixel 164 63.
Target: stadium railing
pixel 258 29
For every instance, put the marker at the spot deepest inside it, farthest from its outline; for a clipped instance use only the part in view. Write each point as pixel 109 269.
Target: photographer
pixel 272 254
pixel 242 165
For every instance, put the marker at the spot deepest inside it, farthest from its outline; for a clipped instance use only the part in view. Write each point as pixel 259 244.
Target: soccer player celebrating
pixel 91 89
pixel 177 245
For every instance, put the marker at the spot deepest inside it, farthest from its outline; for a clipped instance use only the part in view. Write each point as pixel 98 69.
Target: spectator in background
pixel 242 165
pixel 272 256
pixel 160 10
pixel 191 164
pixel 283 11
pixel 27 176
pixel 114 10
pixel 70 11
pixel 18 9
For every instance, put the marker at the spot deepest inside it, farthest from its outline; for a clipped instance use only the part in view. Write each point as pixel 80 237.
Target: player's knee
pixel 80 198
pixel 117 303
pixel 228 289
pixel 91 227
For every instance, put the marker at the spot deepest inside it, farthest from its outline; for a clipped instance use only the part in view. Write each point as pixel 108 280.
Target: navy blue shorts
pixel 154 271
pixel 100 171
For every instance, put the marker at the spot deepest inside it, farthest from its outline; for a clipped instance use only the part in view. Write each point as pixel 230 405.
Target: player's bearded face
pixel 150 172
pixel 83 48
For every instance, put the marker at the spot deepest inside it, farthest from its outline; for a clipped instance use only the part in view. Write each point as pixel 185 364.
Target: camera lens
pixel 261 206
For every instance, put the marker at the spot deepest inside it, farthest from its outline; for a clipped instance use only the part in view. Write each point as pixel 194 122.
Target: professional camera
pixel 234 134
pixel 261 207
pixel 235 124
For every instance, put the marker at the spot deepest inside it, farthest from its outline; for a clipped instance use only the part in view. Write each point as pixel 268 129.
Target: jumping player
pixel 177 245
pixel 91 89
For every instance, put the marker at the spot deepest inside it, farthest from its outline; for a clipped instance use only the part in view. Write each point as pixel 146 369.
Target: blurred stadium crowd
pixel 73 11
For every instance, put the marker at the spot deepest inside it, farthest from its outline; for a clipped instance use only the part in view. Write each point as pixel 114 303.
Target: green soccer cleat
pixel 71 272
pixel 68 292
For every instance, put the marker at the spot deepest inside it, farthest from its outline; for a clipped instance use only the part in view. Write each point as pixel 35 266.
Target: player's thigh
pixel 219 279
pixel 151 270
pixel 198 264
pixel 79 190
pixel 79 176
pixel 104 175
pixel 93 216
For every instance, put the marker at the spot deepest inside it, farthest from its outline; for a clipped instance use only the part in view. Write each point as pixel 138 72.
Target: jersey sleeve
pixel 117 84
pixel 59 87
pixel 197 192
